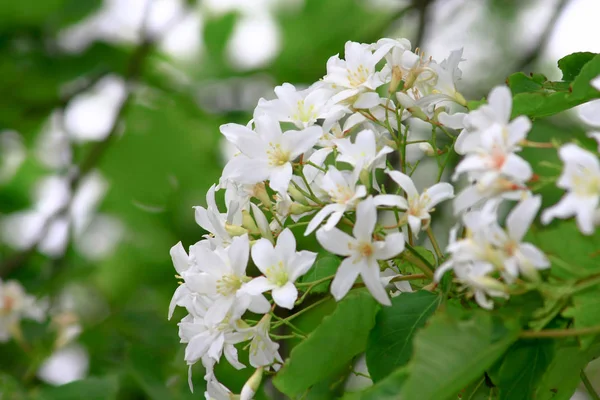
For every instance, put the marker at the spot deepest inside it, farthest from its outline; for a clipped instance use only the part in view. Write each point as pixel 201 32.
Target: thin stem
pixel 560 333
pixel 418 260
pixel 434 243
pixel 292 326
pixel 286 320
pixel 413 277
pixel 588 386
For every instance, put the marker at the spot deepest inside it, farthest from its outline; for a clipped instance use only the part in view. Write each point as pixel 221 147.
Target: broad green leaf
pixel 479 390
pixel 390 342
pixel 521 83
pixel 326 265
pixel 216 32
pixel 585 312
pixel 572 64
pixel 450 353
pixel 573 255
pixel 582 89
pixel 519 372
pixel 331 346
pixel 388 388
pixel 561 378
pixel 90 389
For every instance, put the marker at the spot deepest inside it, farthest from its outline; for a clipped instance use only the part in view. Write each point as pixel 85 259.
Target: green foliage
pixel 585 312
pixel 387 388
pixel 536 97
pixel 91 388
pixel 561 378
pixel 521 368
pixel 331 346
pixel 479 390
pixel 325 266
pixel 391 340
pixel 451 352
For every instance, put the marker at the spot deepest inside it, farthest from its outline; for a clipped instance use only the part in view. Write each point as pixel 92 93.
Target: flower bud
pixel 365 178
pixel 297 208
pixel 297 195
pixel 260 192
pixel 248 223
pixel 235 230
pixel 412 107
pixel 427 149
pixel 252 385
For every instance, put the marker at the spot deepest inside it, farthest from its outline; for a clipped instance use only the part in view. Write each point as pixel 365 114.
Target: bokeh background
pixel 109 135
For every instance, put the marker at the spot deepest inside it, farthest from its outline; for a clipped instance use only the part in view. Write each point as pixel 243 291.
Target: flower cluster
pixel 335 160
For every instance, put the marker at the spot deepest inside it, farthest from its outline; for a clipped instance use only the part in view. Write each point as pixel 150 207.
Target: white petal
pixel 367 100
pixel 370 276
pixel 516 167
pixel 534 255
pixel 231 355
pixel 345 277
pixel 299 142
pixel 590 113
pixel 285 296
pixel 415 224
pixel 518 129
pixel 257 286
pixel 259 305
pixel 238 253
pixel 390 200
pixel 366 218
pixel 335 241
pixel 263 254
pixel 454 121
pixel 500 100
pixel 179 257
pixel 280 177
pixel 218 310
pixel 300 264
pixel 405 182
pixel 286 244
pixel 520 218
pixel 333 220
pixel 438 193
pixel 320 217
pixel 391 247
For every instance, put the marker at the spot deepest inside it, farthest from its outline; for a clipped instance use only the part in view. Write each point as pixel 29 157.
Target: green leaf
pixel 408 268
pixel 521 83
pixel 390 342
pixel 331 346
pixel 216 32
pixel 388 388
pixel 572 64
pixel 90 389
pixel 450 353
pixel 582 89
pixel 561 378
pixel 585 312
pixel 521 369
pixel 479 390
pixel 325 266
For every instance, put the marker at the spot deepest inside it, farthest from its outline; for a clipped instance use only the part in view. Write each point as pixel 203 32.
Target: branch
pixel 560 333
pixel 533 54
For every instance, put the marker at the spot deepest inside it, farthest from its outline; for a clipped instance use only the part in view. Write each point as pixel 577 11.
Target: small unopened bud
pixel 248 223
pixel 460 99
pixel 365 178
pixel 252 385
pixel 235 230
pixel 396 78
pixel 412 107
pixel 260 192
pixel 426 148
pixel 297 195
pixel 297 208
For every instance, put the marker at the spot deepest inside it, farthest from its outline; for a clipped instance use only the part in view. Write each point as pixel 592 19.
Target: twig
pixel 560 333
pixel 588 386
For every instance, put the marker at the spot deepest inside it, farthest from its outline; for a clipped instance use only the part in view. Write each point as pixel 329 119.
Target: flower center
pixel 358 76
pixel 341 194
pixel 585 183
pixel 277 156
pixel 277 274
pixel 365 249
pixel 303 113
pixel 7 305
pixel 229 284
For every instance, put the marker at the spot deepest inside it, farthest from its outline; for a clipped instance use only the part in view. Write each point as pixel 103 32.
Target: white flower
pixel 519 258
pixel 204 340
pixel 494 114
pixel 344 194
pixel 222 274
pixel 363 153
pixel 281 265
pixel 267 153
pixel 418 206
pixel 301 107
pixel 438 82
pixel 213 221
pixel 15 305
pixel 358 71
pixel 581 179
pixel 263 351
pixel 362 253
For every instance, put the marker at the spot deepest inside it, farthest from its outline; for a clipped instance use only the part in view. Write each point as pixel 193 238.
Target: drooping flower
pixel 418 206
pixel 581 179
pixel 281 266
pixel 362 253
pixel 263 350
pixel 343 192
pixel 15 305
pixel 363 153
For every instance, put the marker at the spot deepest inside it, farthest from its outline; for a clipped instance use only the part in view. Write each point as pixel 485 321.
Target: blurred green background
pixel 182 68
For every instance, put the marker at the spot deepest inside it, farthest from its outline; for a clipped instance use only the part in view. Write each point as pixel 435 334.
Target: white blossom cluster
pixel 318 161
